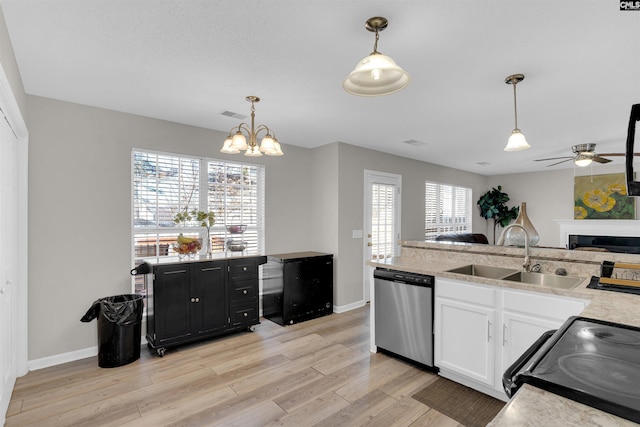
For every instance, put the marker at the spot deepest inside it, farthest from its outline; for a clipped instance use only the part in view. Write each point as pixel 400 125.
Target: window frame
pixel 439 226
pixel 160 237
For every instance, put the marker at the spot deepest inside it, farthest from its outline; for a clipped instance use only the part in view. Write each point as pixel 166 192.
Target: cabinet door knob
pixel 245 292
pixel 197 299
pixel 193 300
pixel 244 268
pixel 246 314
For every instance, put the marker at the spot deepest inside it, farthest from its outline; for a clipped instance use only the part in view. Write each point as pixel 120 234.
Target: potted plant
pixel 492 205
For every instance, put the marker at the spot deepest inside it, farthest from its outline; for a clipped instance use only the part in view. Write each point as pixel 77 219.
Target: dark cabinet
pixel 297 287
pixel 188 301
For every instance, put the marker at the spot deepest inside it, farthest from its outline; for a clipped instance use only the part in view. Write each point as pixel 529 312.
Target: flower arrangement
pixel 188 246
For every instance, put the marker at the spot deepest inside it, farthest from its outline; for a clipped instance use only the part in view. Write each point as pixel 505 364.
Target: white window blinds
pixel 165 184
pixel 448 209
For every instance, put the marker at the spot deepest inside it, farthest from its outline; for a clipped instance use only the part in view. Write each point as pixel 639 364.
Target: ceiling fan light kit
pixel 584 155
pixel 237 140
pixel 516 141
pixel 377 74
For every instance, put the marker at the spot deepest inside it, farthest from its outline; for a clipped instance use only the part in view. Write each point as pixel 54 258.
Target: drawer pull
pixel 175 272
pixel 245 314
pixel 211 269
pixel 244 268
pixel 244 292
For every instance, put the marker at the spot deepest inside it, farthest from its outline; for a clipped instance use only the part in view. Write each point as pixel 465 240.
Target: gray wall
pixel 548 195
pixel 80 208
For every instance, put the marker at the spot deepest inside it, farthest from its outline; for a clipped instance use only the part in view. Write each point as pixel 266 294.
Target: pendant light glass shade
pixel 517 141
pixel 377 74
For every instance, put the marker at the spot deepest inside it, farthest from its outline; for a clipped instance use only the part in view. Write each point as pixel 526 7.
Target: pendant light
pixel 237 141
pixel 377 74
pixel 517 141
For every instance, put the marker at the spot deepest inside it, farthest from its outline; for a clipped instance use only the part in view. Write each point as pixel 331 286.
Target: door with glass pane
pixel 382 220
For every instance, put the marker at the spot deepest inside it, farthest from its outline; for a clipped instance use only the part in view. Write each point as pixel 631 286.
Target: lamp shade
pixel 516 141
pixel 376 75
pixel 583 160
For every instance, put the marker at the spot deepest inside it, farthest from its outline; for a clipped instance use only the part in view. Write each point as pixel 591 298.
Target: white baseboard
pixel 58 359
pixel 349 307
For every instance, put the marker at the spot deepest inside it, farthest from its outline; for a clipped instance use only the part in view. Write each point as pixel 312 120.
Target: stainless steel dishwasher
pixel 404 314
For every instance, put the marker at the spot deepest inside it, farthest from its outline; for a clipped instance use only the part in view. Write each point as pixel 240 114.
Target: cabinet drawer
pixel 244 290
pixel 461 291
pixel 552 307
pixel 244 314
pixel 243 269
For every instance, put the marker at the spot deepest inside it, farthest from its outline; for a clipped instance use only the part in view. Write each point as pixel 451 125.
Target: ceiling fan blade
pixel 557 163
pixel 616 154
pixel 599 159
pixel 553 158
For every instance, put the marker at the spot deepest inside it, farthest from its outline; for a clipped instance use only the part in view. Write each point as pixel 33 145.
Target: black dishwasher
pixel 297 286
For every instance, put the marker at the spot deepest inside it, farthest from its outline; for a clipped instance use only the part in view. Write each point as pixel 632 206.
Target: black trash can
pixel 119 329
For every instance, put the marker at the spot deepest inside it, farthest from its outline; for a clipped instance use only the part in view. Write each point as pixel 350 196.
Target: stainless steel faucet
pixel 527 262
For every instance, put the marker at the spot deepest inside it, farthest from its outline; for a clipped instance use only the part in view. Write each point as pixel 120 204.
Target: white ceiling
pixel 188 61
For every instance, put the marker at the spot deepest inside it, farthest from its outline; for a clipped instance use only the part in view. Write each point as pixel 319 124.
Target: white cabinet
pixel 527 315
pixel 480 330
pixel 466 342
pixel 465 333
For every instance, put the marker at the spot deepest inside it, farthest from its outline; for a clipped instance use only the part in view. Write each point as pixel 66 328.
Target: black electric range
pixel 593 362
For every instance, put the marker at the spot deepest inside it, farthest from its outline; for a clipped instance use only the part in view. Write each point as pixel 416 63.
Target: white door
pixel 8 261
pixel 382 220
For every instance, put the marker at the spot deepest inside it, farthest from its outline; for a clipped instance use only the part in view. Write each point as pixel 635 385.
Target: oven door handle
pixel 510 381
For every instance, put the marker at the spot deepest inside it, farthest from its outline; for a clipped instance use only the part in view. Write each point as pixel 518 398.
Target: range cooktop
pixel 593 362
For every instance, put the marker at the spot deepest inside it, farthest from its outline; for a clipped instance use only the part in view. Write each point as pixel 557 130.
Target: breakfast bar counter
pixel 532 406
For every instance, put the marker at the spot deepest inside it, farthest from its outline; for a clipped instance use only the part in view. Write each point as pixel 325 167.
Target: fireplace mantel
pixel 597 227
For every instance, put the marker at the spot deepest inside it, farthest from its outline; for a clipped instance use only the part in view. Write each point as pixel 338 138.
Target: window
pixel 165 184
pixel 447 209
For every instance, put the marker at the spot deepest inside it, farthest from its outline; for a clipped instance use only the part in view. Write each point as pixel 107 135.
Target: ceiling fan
pixel 584 154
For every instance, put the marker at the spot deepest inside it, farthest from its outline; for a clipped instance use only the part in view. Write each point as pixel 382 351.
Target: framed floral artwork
pixel 602 197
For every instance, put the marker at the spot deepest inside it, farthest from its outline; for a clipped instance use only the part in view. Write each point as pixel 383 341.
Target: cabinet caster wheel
pixel 161 351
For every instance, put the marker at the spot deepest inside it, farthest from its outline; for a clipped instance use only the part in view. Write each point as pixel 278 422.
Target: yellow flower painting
pixel 602 197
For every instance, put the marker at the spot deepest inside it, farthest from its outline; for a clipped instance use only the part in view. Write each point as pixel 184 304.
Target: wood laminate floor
pixel 315 373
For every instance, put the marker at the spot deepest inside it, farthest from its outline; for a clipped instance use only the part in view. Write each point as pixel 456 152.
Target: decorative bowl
pixel 236 229
pixel 187 249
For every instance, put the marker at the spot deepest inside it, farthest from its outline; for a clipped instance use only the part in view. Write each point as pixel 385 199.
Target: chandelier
pixel 237 141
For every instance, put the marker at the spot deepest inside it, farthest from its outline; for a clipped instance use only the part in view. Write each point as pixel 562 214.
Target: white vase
pixel 515 236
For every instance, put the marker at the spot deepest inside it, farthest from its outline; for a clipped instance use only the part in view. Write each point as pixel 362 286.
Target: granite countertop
pixel 532 406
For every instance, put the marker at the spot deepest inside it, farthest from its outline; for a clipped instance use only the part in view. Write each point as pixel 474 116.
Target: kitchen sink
pixel 529 278
pixel 486 271
pixel 545 280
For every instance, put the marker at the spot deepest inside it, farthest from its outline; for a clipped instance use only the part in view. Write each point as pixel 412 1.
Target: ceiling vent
pixel 234 115
pixel 414 142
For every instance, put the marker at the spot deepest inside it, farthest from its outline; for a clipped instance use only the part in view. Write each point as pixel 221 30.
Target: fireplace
pixel 611 235
pixel 619 244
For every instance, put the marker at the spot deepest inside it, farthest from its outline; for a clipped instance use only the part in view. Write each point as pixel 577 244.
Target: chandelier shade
pixel 245 138
pixel 377 74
